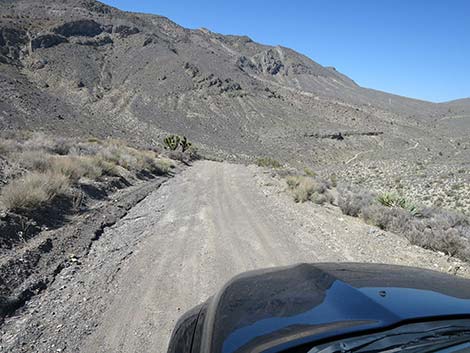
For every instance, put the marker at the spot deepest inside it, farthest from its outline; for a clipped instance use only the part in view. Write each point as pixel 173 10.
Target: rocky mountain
pixel 79 67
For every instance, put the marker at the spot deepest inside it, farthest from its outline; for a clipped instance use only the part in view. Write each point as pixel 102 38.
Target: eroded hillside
pixel 81 68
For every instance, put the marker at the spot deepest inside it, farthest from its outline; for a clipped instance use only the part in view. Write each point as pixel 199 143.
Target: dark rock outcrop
pixel 269 62
pixel 85 28
pixel 96 41
pixel 125 31
pixel 11 41
pixel 47 40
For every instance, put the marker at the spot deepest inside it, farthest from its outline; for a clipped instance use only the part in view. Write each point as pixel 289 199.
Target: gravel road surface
pixel 179 245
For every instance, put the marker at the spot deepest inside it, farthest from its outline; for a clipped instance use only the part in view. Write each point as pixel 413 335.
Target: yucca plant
pixel 389 199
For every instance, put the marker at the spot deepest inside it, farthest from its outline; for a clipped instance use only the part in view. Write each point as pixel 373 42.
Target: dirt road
pixel 179 245
pixel 216 224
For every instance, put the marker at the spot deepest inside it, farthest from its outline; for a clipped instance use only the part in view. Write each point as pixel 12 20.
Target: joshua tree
pixel 172 142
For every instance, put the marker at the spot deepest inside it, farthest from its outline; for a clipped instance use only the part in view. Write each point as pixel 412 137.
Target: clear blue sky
pixel 415 48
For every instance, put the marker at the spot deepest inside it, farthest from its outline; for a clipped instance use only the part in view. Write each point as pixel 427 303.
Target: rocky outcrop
pixel 84 28
pixel 210 81
pixel 11 41
pixel 245 64
pixel 47 40
pixel 125 31
pixel 269 62
pixel 340 135
pixel 96 41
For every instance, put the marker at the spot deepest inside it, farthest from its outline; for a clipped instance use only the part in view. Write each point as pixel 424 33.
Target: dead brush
pixel 75 168
pixel 308 188
pixel 431 228
pixel 33 190
pixel 39 161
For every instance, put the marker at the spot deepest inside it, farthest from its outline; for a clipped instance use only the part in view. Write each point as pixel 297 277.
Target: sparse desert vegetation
pixel 41 172
pixel 33 190
pixel 187 151
pixel 306 188
pixel 268 162
pixel 430 184
pixel 431 228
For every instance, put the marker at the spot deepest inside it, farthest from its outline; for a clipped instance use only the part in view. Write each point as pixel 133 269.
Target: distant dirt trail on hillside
pixel 178 246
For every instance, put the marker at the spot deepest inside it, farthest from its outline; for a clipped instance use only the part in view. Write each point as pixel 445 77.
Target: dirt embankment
pixel 177 246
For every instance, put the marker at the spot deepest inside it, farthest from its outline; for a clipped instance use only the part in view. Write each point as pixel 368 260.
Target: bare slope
pixel 81 67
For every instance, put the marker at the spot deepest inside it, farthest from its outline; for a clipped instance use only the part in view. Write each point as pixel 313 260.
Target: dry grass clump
pixel 431 228
pixel 309 189
pixel 133 159
pixel 75 168
pixel 33 190
pixel 8 146
pixel 48 166
pixel 33 160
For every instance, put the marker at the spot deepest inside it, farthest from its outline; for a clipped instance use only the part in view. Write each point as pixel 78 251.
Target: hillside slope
pixel 81 67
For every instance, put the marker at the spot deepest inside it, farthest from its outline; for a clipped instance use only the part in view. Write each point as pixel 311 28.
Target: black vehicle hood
pixel 272 310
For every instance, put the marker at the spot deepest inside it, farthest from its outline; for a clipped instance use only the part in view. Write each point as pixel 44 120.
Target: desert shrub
pixel 8 146
pixel 94 140
pixel 307 188
pixel 268 162
pixel 117 155
pixel 74 167
pixel 193 153
pixel 61 146
pixel 177 156
pixel 33 190
pixel 334 180
pixel 309 172
pixel 34 160
pixel 352 200
pixel 107 168
pixel 39 141
pixel 156 166
pixel 430 228
pixel 133 159
pixel 385 218
pixel 320 199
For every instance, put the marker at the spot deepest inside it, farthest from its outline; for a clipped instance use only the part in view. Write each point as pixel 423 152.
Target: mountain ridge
pixel 83 67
